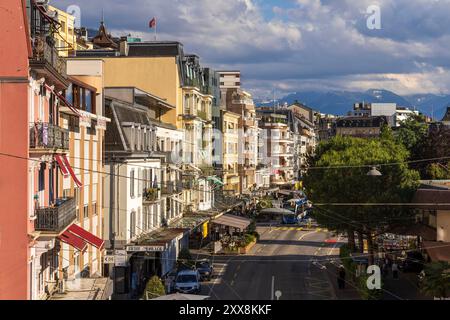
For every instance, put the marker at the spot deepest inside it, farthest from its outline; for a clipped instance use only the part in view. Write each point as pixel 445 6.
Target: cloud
pixel 297 44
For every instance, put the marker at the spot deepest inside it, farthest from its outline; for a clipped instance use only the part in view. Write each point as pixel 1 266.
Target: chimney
pixel 123 46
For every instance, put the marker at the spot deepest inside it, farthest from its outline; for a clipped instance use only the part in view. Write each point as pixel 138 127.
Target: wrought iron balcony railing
pixel 46 55
pixel 57 218
pixel 47 136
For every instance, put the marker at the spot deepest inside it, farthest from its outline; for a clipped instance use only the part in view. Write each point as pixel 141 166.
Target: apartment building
pixel 241 102
pixel 162 69
pixel 142 198
pixel 65 35
pixel 230 138
pixel 17 217
pixel 279 144
pixel 60 203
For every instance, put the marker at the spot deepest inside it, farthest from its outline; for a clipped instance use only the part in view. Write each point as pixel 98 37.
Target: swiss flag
pixel 152 23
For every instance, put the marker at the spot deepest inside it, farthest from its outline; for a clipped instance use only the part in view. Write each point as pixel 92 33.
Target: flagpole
pixel 156 26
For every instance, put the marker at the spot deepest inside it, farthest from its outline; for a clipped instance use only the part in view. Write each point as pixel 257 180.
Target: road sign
pixel 109 259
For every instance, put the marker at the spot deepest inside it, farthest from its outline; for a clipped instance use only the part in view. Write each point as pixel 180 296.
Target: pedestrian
pixel 395 270
pixel 341 277
pixel 385 268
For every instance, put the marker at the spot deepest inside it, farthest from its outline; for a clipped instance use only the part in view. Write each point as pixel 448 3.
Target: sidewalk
pixel 405 288
pixel 349 293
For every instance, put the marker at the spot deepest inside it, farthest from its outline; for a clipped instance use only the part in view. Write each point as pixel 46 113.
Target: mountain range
pixel 341 102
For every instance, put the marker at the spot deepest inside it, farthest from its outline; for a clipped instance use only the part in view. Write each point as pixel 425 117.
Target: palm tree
pixel 436 279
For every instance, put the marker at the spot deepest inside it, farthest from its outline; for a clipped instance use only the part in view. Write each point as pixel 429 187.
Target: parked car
pixel 205 269
pixel 188 281
pixel 412 262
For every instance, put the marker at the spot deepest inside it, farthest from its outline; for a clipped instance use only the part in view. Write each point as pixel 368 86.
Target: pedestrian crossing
pixel 299 229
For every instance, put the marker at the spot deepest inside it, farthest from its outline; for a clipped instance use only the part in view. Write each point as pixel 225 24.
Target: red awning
pixel 73 240
pixel 63 99
pixel 62 166
pixel 86 236
pixel 71 172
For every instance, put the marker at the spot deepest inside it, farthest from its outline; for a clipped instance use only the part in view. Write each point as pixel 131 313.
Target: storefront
pixel 153 255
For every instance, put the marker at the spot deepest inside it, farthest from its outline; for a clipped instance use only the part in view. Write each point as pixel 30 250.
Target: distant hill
pixel 340 102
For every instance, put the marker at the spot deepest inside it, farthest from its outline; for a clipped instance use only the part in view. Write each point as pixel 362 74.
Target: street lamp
pixel 374 172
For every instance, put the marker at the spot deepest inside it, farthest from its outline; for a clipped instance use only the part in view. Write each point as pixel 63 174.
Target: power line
pixel 378 165
pixel 101 172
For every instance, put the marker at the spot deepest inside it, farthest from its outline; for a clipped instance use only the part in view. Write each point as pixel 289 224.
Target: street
pixel 281 265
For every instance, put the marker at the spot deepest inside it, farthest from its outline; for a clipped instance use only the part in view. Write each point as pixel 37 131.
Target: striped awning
pixel 233 221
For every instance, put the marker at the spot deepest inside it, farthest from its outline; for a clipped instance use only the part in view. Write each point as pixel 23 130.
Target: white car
pixel 188 281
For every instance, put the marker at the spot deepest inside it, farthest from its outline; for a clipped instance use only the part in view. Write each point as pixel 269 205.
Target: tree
pixel 185 259
pixel 436 280
pixel 412 134
pixel 435 145
pixel 154 289
pixel 340 176
pixel 437 171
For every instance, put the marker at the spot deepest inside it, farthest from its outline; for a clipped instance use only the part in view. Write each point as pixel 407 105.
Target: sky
pixel 296 45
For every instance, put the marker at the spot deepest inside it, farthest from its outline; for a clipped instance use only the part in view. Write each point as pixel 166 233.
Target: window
pixel 139 191
pixel 94 209
pixel 132 224
pixel 132 184
pixel 138 225
pixel 86 211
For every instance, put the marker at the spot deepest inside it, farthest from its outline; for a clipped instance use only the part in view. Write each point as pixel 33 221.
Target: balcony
pixel 46 61
pixel 47 137
pixel 249 123
pixel 54 220
pixel 171 187
pixel 203 115
pixel 150 196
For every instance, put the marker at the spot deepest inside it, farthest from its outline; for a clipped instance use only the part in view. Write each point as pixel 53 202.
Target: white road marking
pixel 306 234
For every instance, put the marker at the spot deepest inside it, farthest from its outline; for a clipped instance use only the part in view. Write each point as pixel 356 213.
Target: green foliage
pixel 412 134
pixel 185 254
pixel 185 260
pixel 361 281
pixel 265 204
pixel 154 289
pixel 437 171
pixel 436 281
pixel 352 185
pixel 249 238
pixel 435 145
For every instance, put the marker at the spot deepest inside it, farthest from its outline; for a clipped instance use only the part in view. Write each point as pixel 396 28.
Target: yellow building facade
pixel 65 37
pixel 230 148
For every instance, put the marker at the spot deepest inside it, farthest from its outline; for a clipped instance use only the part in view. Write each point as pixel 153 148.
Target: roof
pixel 438 251
pixel 432 199
pixel 233 221
pixel 160 237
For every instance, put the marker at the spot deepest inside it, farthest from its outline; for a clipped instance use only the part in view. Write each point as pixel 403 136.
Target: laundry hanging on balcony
pixel 66 169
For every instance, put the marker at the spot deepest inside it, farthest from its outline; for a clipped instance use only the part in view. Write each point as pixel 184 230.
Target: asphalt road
pixel 284 261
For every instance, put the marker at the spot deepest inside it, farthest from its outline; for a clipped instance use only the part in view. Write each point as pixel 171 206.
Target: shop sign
pixel 146 248
pixel 120 258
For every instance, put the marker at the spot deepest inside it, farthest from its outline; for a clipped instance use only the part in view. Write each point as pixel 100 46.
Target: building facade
pixel 230 140
pixel 279 147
